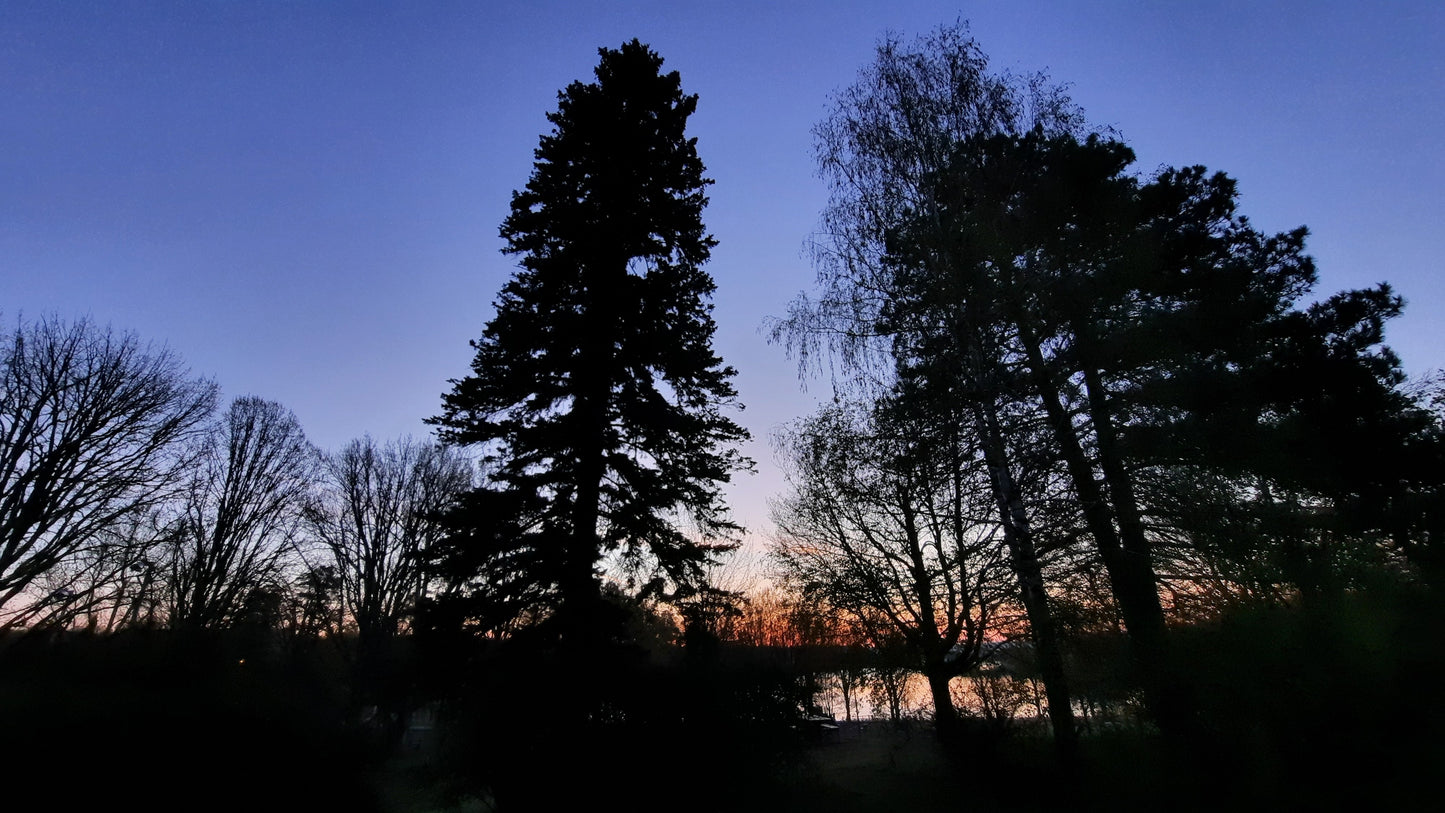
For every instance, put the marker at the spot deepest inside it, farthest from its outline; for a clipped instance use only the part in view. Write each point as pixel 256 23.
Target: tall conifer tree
pixel 595 394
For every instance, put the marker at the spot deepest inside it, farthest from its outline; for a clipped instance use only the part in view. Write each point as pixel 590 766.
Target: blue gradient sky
pixel 302 198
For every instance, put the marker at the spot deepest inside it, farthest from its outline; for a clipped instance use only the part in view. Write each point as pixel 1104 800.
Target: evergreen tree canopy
pixel 1161 330
pixel 595 394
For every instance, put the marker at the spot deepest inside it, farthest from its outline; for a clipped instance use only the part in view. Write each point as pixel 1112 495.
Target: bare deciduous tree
pixel 883 523
pixel 92 423
pixel 378 515
pixel 104 585
pixel 240 515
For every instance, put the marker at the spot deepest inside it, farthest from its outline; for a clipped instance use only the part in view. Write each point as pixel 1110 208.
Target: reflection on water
pixel 904 695
pixel 993 695
pixel 863 695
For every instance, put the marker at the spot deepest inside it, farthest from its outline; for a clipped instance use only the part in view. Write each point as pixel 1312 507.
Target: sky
pixel 301 199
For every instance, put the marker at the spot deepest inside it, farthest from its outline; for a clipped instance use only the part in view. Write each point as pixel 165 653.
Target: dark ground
pixel 882 768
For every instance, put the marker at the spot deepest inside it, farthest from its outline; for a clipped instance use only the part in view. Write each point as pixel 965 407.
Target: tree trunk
pixel 1143 614
pixel 1023 557
pixel 944 714
pixel 581 593
pixel 1130 567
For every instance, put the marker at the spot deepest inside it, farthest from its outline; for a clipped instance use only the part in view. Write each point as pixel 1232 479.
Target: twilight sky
pixel 302 198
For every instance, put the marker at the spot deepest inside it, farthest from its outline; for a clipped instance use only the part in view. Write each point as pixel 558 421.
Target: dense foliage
pixel 596 398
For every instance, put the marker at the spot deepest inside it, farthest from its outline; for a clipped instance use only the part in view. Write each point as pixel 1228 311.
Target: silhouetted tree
pixel 108 584
pixel 885 520
pixel 1335 464
pixel 93 427
pixel 972 268
pixel 1156 329
pixel 378 515
pixel 765 619
pixel 595 396
pixel 881 148
pixel 1416 513
pixel 314 604
pixel 240 516
pixel 486 568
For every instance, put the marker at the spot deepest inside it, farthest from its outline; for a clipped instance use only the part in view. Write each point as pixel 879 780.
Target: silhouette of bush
pixel 170 722
pixel 542 731
pixel 1335 703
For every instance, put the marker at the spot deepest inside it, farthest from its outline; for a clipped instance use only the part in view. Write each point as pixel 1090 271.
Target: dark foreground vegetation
pixel 161 720
pixel 1330 708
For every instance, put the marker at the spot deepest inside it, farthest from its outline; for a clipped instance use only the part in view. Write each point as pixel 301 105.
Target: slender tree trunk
pixel 1023 556
pixel 936 667
pixel 1127 558
pixel 1144 615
